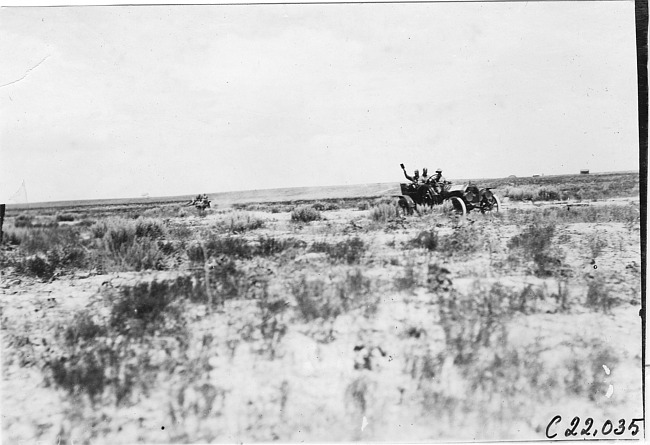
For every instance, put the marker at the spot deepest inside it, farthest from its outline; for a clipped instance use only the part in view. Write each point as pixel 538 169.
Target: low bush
pixel 44 240
pixel 65 217
pixel 350 250
pixel 363 205
pixel 38 266
pixel 384 212
pixel 599 296
pixel 23 221
pixel 427 239
pixel 149 228
pixel 142 254
pixel 126 244
pixel 305 214
pixel 12 237
pixel 319 299
pixel 408 280
pixel 596 242
pixel 534 243
pixel 229 246
pixel 109 359
pixel 269 246
pixel 273 316
pixel 464 240
pixel 281 208
pixel 240 222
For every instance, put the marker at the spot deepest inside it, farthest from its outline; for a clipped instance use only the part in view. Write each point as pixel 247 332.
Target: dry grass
pixel 282 331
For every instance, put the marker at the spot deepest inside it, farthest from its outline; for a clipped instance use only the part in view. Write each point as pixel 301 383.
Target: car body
pixel 464 197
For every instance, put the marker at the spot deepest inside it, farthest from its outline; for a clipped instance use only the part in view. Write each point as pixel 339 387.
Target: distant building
pixel 584 172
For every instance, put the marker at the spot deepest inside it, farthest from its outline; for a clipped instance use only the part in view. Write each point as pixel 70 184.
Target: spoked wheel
pixel 459 205
pixel 490 203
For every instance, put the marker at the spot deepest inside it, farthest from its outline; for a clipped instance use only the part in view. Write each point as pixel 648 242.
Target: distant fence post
pixel 2 219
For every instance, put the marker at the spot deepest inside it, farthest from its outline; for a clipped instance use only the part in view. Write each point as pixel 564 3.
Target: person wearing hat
pixel 438 181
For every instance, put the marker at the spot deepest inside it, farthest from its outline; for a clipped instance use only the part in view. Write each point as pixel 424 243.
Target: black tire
pixel 459 205
pixel 492 204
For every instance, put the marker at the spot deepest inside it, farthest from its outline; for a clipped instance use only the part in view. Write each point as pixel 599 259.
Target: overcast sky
pixel 109 102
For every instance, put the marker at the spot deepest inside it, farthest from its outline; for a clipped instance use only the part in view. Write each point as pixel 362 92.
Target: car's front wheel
pixel 459 206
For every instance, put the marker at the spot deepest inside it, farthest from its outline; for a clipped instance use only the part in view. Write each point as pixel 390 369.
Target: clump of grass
pixel 596 244
pixel 226 280
pixel 536 193
pixel 350 250
pixel 150 228
pixel 66 217
pixel 280 208
pixel 38 266
pixel 23 221
pixel 325 206
pixel 130 245
pixel 13 237
pixel 140 307
pixel 407 280
pixel 273 314
pixel 384 212
pixel 108 359
pixel 427 239
pixel 535 244
pixel 464 240
pixel 45 252
pixel 363 205
pixel 229 246
pixel 319 299
pixel 305 214
pixel 599 296
pixel 269 246
pixel 240 222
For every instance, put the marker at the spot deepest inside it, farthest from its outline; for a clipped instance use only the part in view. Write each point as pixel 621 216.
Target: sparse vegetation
pixel 228 325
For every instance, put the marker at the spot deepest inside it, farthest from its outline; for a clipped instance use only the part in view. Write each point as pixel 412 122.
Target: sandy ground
pixel 307 392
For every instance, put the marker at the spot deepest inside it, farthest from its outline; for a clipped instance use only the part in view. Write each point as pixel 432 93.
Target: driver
pixel 438 181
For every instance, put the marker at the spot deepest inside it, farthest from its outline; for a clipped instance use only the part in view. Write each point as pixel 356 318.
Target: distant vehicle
pixel 201 202
pixel 463 197
pixel 584 172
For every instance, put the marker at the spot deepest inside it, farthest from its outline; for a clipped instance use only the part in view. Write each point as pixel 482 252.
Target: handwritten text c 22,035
pixel 554 430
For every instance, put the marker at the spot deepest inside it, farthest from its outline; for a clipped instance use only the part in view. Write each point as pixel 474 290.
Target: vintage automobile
pixel 463 197
pixel 201 202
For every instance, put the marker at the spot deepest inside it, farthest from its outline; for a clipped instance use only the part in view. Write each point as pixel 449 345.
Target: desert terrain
pixel 326 317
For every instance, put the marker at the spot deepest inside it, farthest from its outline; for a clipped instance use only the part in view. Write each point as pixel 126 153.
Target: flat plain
pixel 326 316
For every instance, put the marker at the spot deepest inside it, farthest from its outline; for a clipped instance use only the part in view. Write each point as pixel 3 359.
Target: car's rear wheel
pixel 496 206
pixel 491 204
pixel 459 206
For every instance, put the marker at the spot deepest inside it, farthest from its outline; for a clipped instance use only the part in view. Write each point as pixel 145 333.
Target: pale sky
pixel 116 102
